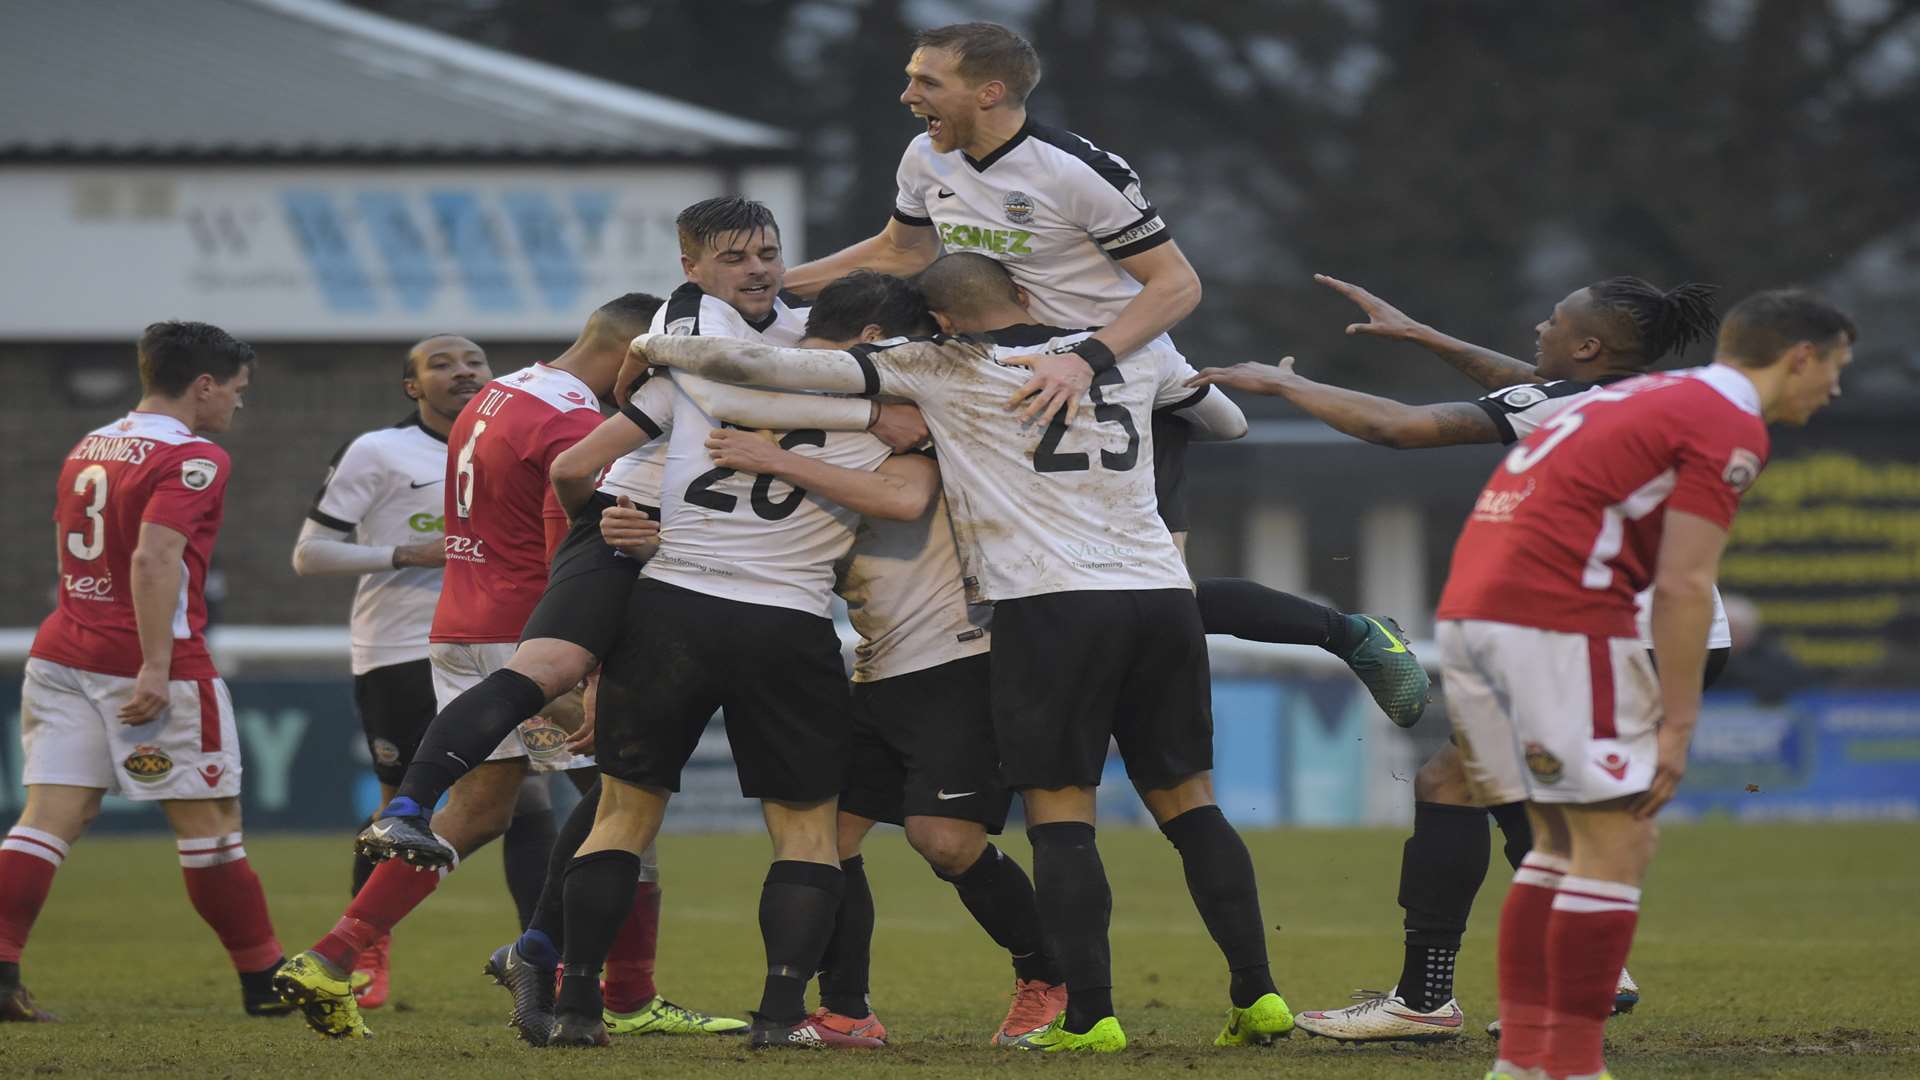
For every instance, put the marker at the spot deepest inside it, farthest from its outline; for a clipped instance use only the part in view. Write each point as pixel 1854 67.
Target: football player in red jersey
pixel 120 693
pixel 1554 699
pixel 502 524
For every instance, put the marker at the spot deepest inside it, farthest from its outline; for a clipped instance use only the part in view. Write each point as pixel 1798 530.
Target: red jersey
pixel 498 500
pixel 1568 529
pixel 146 467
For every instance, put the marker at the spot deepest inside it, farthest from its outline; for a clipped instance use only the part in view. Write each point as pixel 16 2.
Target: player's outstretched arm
pixel 1214 418
pixel 322 550
pixel 750 408
pixel 156 569
pixel 901 489
pixel 899 248
pixel 1492 370
pixel 1688 564
pixel 730 360
pixel 1378 420
pixel 574 472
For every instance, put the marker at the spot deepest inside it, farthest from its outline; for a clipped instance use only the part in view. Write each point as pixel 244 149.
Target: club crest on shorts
pixel 148 764
pixel 1543 765
pixel 1743 468
pixel 198 473
pixel 1019 207
pixel 544 739
pixel 385 752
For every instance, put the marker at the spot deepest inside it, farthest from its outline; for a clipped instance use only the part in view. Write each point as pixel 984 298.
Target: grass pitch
pixel 1780 951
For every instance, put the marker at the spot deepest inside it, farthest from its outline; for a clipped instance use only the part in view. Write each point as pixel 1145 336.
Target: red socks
pixel 1587 942
pixel 28 858
pixel 227 894
pixel 629 970
pixel 393 891
pixel 1524 1015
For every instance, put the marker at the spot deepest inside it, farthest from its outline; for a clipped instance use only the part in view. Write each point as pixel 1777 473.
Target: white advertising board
pixel 362 253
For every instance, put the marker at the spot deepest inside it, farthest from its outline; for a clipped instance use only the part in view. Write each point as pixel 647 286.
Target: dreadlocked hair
pixel 1665 320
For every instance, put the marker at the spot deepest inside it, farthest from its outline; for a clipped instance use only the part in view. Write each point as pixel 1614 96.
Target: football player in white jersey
pixel 1069 220
pixel 1602 333
pixel 1097 635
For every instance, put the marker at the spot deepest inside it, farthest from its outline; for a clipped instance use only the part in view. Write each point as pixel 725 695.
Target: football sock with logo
pixel 527 845
pixel 846 963
pixel 599 897
pixel 227 894
pixel 549 915
pixel 1221 881
pixel 797 906
pixel 394 890
pixel 1524 1012
pixel 1515 826
pixel 630 960
pixel 362 866
pixel 1588 937
pixel 1250 610
pixel 1441 868
pixel 28 860
pixel 466 731
pixel 1000 897
pixel 1076 906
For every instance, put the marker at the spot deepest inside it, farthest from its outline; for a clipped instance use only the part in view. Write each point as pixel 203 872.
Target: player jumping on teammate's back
pixel 1085 579
pixel 1555 700
pixel 1603 333
pixel 120 693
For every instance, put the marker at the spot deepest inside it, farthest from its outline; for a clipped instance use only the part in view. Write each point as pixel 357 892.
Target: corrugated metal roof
pixel 313 79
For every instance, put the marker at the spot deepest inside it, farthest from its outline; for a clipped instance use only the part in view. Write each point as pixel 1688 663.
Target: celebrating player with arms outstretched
pixel 120 693
pixel 1554 699
pixel 1598 335
pixel 1097 634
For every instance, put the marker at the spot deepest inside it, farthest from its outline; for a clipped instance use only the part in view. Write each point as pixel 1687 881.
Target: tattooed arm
pixel 1377 420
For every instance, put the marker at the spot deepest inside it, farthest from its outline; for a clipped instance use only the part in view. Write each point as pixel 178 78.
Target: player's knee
pixel 1442 780
pixel 66 815
pixel 949 846
pixel 558 666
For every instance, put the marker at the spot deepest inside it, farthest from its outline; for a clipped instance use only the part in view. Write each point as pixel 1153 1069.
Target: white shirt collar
pixel 1733 384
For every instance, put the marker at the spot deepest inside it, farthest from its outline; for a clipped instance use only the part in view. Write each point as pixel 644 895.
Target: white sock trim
pixel 1580 894
pixel 1540 860
pixel 201 852
pixel 36 842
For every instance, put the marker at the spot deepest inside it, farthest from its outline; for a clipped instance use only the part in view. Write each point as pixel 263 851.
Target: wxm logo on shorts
pixel 148 764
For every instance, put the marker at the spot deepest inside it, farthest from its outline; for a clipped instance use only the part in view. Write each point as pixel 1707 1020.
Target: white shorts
pixel 1549 717
pixel 71 734
pixel 459 667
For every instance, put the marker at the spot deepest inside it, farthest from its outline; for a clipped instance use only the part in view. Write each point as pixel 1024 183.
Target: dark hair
pixel 1766 324
pixel 173 354
pixel 869 298
pixel 966 282
pixel 987 51
pixel 624 317
pixel 1661 320
pixel 700 223
pixel 409 365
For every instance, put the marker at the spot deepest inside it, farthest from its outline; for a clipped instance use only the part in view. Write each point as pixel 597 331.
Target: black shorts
pixel 395 704
pixel 776 673
pixel 1072 669
pixel 587 586
pixel 923 747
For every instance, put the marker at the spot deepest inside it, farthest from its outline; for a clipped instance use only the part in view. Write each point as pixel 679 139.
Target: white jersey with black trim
pixel 906 598
pixel 388 488
pixel 691 311
pixel 1057 210
pixel 1518 411
pixel 1036 510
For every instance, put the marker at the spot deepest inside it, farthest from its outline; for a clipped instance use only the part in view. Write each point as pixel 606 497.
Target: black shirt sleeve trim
pixel 641 420
pixel 1151 242
pixel 1491 408
pixel 1187 402
pixel 909 219
pixel 864 354
pixel 684 304
pixel 330 521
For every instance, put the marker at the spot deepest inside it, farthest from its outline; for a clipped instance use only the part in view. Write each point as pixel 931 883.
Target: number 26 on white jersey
pixel 1563 424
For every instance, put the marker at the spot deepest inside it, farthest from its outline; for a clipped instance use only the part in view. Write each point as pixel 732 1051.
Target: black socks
pixel 1220 878
pixel 1441 868
pixel 599 894
pixel 797 907
pixel 1076 906
pixel 1250 610
pixel 849 955
pixel 524 850
pixel 1513 822
pixel 466 731
pixel 549 914
pixel 1000 897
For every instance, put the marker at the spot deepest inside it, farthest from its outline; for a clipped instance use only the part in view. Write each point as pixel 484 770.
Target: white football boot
pixel 1383 1018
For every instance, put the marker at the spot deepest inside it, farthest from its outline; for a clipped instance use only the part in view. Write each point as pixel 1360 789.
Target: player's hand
pixel 1254 378
pixel 628 530
pixel 1674 740
pixel 150 696
pixel 1059 379
pixel 901 427
pixel 581 741
pixel 746 451
pixel 432 554
pixel 1383 319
